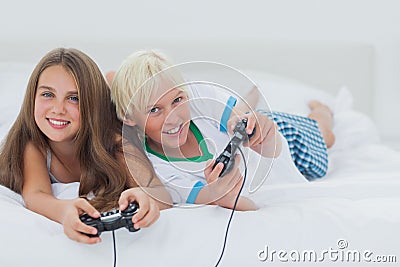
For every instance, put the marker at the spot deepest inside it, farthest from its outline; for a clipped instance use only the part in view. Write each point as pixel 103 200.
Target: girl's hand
pixel 73 227
pixel 148 209
pixel 223 190
pixel 265 140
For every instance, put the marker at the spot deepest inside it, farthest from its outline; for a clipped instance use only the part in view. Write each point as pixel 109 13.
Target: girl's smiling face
pixel 166 118
pixel 57 104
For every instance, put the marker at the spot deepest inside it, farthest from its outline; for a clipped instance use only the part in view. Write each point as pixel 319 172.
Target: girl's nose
pixel 58 107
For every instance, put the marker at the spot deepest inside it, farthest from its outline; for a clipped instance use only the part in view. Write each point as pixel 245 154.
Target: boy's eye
pixel 178 99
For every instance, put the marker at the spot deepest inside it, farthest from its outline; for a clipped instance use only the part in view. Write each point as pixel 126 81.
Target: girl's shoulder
pixel 34 159
pixel 32 151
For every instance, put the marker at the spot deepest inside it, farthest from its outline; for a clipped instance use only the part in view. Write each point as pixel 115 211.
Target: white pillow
pixel 287 95
pixel 277 92
pixel 352 128
pixel 14 78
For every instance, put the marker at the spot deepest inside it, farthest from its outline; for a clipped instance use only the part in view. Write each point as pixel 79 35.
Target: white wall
pixel 370 21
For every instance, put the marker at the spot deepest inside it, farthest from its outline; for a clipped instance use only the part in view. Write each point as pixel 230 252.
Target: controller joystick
pixel 112 220
pixel 227 157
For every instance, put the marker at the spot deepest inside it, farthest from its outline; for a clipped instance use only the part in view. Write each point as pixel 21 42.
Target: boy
pixel 183 130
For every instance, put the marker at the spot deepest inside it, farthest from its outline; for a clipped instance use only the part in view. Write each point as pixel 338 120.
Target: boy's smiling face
pixel 166 118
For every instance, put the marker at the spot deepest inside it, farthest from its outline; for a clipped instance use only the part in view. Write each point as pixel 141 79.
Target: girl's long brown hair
pixel 96 142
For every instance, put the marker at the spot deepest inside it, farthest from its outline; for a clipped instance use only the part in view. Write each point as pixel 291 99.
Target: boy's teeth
pixel 58 122
pixel 173 131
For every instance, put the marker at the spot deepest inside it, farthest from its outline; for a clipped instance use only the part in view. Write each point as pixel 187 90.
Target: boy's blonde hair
pixel 139 76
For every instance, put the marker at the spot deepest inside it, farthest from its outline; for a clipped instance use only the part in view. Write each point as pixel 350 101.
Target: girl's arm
pixel 38 197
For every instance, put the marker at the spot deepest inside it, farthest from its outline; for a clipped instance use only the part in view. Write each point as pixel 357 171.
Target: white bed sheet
pixel 358 202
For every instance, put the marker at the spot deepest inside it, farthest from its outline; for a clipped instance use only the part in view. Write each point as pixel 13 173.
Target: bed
pixel 350 217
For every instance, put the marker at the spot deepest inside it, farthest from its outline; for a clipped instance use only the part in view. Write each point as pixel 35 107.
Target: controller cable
pixel 115 249
pixel 229 221
pixel 234 207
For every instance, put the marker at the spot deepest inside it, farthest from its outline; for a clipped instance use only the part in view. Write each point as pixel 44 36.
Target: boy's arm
pixel 266 139
pixel 235 108
pixel 223 191
pixel 243 204
pixel 221 104
pixel 142 174
pixel 160 195
pixel 249 102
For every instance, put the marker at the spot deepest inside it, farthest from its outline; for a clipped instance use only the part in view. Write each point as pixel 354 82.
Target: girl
pixel 67 131
pixel 181 136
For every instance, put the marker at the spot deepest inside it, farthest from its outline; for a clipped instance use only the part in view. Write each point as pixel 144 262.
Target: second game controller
pixel 112 220
pixel 227 157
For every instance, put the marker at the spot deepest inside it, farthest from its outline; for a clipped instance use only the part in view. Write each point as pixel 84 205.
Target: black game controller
pixel 227 157
pixel 112 220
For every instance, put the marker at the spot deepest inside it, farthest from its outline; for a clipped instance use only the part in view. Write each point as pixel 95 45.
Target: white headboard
pixel 328 66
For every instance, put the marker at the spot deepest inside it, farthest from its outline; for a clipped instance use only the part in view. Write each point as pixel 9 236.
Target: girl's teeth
pixel 58 122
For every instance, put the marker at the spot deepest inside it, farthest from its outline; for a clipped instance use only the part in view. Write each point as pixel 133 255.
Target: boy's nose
pixel 172 117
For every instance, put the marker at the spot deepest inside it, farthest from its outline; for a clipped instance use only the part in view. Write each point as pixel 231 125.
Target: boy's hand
pixel 73 227
pixel 148 209
pixel 223 191
pixel 265 140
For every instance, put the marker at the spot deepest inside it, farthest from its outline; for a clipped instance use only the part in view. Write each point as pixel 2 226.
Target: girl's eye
pixel 74 98
pixel 154 110
pixel 47 94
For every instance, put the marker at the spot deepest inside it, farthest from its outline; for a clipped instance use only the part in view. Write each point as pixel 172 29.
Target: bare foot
pixel 110 77
pixel 324 116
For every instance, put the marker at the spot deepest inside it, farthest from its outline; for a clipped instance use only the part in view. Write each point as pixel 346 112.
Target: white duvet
pixel 350 217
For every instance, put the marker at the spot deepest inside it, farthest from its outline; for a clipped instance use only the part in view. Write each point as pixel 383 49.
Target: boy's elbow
pixel 166 202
